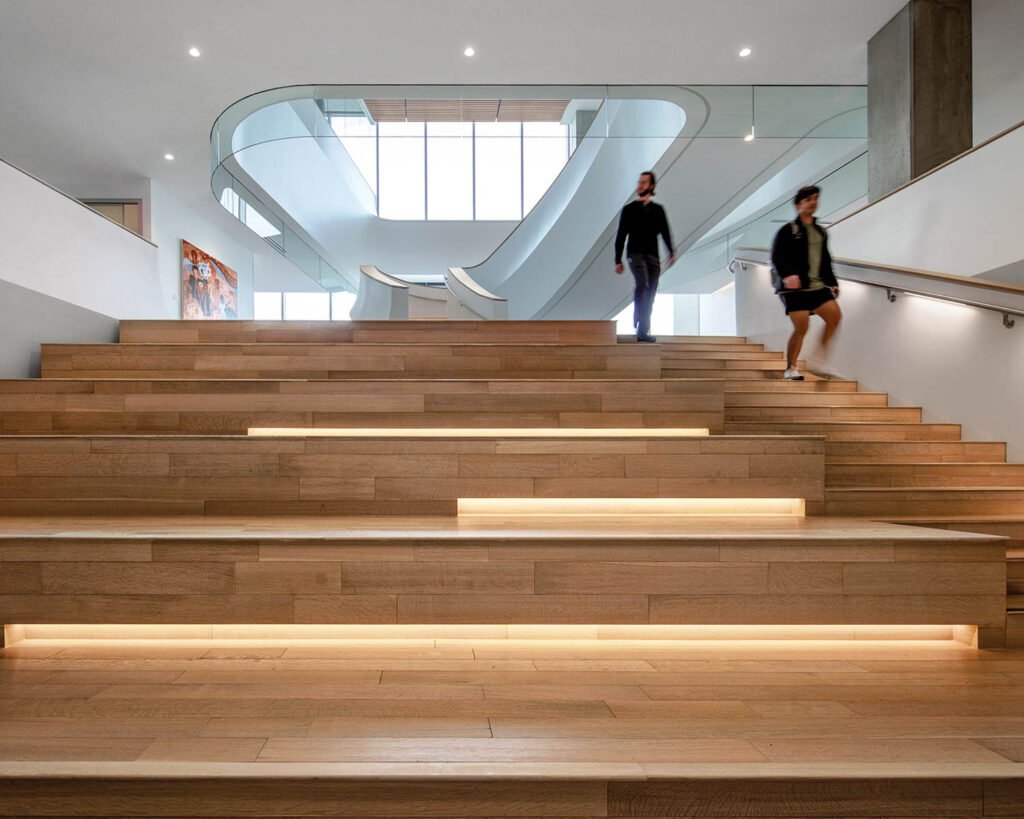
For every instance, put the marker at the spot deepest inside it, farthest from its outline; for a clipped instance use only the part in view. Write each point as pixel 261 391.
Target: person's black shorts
pixel 809 300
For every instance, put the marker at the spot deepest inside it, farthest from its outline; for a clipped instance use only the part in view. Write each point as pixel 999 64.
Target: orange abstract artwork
pixel 209 288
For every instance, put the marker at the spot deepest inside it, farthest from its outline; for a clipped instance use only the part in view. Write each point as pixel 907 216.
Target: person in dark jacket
pixel 643 222
pixel 803 277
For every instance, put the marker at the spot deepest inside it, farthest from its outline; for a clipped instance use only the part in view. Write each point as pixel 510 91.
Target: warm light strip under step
pixel 468 432
pixel 676 507
pixel 425 635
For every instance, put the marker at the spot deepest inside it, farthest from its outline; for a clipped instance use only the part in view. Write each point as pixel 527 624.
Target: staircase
pixel 881 462
pixel 136 505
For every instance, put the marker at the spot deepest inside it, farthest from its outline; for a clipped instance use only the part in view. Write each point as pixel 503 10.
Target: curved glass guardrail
pixel 283 116
pixel 843 190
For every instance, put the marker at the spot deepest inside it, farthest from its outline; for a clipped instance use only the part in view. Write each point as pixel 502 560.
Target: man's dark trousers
pixel 646 270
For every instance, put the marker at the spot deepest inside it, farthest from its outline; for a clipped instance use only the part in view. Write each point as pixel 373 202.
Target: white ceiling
pixel 94 89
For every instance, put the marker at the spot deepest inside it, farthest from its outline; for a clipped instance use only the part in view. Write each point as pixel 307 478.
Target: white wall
pixel 958 363
pixel 998 28
pixel 718 312
pixel 173 221
pixel 60 248
pixel 964 219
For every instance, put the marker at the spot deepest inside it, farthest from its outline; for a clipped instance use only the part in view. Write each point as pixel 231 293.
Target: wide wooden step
pixel 848 430
pixel 812 412
pixel 742 377
pixel 734 340
pixel 355 360
pixel 708 347
pixel 757 362
pixel 694 353
pixel 905 502
pixel 334 332
pixel 625 571
pixel 233 406
pixel 414 472
pixel 904 452
pixel 780 387
pixel 804 398
pixel 924 475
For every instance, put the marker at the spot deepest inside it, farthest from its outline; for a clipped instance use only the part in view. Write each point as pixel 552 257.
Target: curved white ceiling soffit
pixel 250 125
pixel 704 182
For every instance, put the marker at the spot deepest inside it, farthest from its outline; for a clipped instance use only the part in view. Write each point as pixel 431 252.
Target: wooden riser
pixel 349 361
pixel 739 376
pixel 695 353
pixel 899 415
pixel 422 573
pixel 925 475
pixel 708 347
pixel 232 407
pixel 668 340
pixel 334 332
pixel 907 452
pixel 86 475
pixel 804 399
pixel 458 790
pixel 778 387
pixel 767 363
pixel 1015 633
pixel 849 431
pixel 885 503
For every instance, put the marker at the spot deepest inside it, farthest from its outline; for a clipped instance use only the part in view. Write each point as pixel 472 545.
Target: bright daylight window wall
pixel 455 170
pixel 336 306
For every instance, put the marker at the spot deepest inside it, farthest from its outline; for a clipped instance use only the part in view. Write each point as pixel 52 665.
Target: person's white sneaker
pixel 792 374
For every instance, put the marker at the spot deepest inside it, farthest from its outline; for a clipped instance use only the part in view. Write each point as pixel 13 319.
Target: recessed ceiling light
pixel 194 52
pixel 169 157
pixel 470 51
pixel 745 52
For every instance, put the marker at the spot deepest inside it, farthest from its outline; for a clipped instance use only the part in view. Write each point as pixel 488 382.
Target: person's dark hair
pixel 806 192
pixel 650 175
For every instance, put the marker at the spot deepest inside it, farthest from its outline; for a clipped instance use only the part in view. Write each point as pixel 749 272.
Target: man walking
pixel 803 278
pixel 643 222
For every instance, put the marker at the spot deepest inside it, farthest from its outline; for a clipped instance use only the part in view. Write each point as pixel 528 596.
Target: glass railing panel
pixel 345 119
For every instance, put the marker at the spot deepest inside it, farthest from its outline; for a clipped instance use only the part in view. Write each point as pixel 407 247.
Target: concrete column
pixel 919 92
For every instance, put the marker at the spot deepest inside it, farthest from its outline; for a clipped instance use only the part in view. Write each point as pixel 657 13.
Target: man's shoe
pixel 792 374
pixel 646 339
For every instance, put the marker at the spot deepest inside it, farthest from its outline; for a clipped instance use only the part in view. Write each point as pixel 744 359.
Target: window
pixel 455 170
pixel 359 137
pixel 401 170
pixel 307 306
pixel 662 317
pixel 341 305
pixel 499 158
pixel 335 306
pixel 450 170
pixel 545 152
pixel 267 306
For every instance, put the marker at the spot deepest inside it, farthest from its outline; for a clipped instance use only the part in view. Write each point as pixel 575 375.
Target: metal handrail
pixel 893 290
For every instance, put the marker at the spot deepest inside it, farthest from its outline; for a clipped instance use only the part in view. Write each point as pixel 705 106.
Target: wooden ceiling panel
pixel 455 110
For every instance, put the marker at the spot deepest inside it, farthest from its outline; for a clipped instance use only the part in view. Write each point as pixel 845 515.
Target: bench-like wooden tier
pixel 310 360
pixel 405 473
pixel 668 571
pixel 416 332
pixel 222 407
pixel 544 790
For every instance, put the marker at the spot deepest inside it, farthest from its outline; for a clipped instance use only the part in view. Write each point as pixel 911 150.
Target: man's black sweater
pixel 643 223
